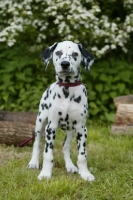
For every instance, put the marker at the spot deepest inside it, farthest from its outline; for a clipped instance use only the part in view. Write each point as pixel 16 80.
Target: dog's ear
pixel 46 55
pixel 87 57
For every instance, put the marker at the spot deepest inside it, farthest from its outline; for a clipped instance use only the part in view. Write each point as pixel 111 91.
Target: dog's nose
pixel 65 64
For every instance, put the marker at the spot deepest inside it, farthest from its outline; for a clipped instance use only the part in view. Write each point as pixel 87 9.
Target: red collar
pixel 70 84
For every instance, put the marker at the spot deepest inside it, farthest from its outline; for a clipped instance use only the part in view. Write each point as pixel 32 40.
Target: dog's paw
pixel 33 164
pixel 44 174
pixel 72 169
pixel 87 176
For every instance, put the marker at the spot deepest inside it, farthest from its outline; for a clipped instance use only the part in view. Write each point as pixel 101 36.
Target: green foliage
pixel 107 80
pixel 22 79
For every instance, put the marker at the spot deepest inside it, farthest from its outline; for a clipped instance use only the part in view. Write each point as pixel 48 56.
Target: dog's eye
pixel 58 53
pixel 74 54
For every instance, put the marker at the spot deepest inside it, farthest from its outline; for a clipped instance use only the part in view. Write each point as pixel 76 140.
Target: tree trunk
pixel 124 115
pixel 126 99
pixel 26 117
pixel 15 132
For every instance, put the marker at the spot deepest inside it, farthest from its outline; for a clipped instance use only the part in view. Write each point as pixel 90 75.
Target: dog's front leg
pixel 82 162
pixel 48 153
pixel 70 167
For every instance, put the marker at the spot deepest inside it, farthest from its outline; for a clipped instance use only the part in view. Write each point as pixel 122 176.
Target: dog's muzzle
pixel 65 65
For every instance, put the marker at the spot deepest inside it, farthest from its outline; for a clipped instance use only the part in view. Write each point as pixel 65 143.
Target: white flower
pixel 69 18
pixel 113 46
pixel 94 48
pixel 107 25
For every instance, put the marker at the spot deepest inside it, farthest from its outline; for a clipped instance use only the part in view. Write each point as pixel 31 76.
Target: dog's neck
pixel 68 78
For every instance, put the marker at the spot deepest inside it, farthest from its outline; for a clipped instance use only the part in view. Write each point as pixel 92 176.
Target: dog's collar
pixel 70 84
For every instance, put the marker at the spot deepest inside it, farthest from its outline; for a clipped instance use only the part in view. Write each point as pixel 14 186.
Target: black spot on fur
pixel 84 144
pixel 78 146
pixel 60 113
pixel 72 98
pixel 51 145
pixel 47 94
pixel 85 92
pixel 65 91
pixel 63 126
pixel 59 96
pixel 40 120
pixel 64 140
pixel 76 76
pixel 67 117
pixel 48 137
pixel 82 153
pixel 46 147
pixel 84 129
pixel 54 96
pixel 44 105
pixel 49 131
pixel 74 122
pixel 78 99
pixel 68 79
pixel 50 105
pixel 60 79
pixel 79 136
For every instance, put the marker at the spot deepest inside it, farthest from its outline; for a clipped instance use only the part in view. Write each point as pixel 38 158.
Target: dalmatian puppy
pixel 64 104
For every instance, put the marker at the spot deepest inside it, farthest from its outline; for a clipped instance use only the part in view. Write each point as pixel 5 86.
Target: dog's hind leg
pixel 70 167
pixel 41 122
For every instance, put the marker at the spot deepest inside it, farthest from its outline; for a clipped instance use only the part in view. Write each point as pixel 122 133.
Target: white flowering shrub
pixel 39 23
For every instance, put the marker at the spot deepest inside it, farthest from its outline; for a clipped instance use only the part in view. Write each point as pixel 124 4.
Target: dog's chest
pixel 68 98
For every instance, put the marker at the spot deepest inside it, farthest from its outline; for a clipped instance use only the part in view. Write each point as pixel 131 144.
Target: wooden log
pixel 121 130
pixel 14 133
pixel 25 117
pixel 126 99
pixel 124 114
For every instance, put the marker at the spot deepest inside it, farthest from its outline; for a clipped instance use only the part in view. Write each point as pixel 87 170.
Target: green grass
pixel 110 159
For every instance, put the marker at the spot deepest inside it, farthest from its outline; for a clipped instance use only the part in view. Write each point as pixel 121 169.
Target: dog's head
pixel 67 57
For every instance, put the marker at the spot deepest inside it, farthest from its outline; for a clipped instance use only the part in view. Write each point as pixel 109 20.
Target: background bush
pixel 27 27
pixel 107 80
pixel 24 79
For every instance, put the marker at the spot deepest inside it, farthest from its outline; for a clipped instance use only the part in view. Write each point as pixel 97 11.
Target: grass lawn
pixel 110 159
